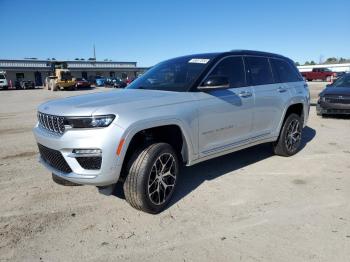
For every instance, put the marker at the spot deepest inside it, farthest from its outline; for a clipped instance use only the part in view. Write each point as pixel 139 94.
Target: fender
pixel 133 129
pixel 291 102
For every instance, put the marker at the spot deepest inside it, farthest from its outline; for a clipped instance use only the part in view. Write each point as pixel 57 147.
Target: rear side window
pixel 283 71
pixel 259 70
pixel 233 69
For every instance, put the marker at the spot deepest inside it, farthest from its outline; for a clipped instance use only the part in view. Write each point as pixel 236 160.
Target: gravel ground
pixel 246 206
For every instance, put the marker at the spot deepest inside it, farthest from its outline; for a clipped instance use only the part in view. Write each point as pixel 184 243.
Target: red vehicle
pixel 324 74
pixel 81 82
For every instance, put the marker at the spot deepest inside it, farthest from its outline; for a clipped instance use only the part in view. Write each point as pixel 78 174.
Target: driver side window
pixel 231 68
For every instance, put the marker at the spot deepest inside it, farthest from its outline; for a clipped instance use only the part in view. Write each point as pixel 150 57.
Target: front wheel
pixel 289 140
pixel 152 177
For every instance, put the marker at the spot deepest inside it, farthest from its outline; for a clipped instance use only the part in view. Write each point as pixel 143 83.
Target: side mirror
pixel 214 82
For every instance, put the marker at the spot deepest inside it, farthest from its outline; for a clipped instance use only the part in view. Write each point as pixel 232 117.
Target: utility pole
pixel 94 53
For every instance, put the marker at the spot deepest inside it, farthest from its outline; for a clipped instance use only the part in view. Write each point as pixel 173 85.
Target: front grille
pixel 52 123
pixel 90 163
pixel 338 99
pixel 54 158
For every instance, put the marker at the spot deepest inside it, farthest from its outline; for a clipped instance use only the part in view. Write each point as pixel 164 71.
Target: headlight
pixel 89 122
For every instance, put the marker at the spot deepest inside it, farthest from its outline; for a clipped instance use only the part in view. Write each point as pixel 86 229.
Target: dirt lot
pixel 247 206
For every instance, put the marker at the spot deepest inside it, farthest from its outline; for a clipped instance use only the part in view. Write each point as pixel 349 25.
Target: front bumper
pixel 332 108
pixel 105 139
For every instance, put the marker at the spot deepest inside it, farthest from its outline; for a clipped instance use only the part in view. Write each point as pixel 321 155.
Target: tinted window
pixel 2 77
pixel 233 69
pixel 283 71
pixel 259 70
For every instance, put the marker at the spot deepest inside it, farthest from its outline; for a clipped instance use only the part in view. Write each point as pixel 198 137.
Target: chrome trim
pixel 54 124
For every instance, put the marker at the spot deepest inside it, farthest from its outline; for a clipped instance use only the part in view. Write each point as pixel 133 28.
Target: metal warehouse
pixel 37 70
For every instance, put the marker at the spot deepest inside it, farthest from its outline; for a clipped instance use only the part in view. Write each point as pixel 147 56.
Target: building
pixel 37 70
pixel 334 67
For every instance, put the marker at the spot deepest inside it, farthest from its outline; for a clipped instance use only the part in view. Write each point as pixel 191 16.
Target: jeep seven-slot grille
pixel 52 123
pixel 54 158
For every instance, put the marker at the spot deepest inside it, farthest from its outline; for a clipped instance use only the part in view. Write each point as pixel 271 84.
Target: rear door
pixel 225 115
pixel 270 97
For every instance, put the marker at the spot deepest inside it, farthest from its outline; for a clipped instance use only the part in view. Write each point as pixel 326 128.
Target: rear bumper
pixel 105 139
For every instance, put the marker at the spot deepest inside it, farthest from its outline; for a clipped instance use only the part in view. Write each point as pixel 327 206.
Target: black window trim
pixel 218 62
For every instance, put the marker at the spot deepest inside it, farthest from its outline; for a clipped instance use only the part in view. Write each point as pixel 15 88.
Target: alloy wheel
pixel 293 136
pixel 162 179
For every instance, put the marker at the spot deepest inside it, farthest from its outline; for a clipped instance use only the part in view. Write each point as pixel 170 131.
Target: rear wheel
pixel 152 177
pixel 289 140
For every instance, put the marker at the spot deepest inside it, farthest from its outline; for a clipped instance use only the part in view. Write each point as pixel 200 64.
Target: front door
pixel 38 79
pixel 84 75
pixel 225 115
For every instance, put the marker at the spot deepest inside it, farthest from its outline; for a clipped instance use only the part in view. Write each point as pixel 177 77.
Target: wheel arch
pixel 169 131
pixel 296 107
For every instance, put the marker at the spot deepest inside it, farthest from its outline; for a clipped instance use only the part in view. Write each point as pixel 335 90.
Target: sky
pixel 150 31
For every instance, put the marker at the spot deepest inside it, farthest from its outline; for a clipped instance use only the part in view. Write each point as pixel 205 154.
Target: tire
pixel 289 140
pixel 149 169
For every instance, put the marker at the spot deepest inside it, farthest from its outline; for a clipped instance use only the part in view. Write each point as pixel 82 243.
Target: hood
pixel 331 90
pixel 114 101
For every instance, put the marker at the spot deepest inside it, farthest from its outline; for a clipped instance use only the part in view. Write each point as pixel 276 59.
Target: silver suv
pixel 181 111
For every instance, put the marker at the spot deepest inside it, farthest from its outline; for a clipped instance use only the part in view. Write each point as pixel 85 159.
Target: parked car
pixel 100 81
pixel 335 98
pixel 82 82
pixel 3 81
pixel 182 111
pixel 324 74
pixel 24 84
pixel 115 82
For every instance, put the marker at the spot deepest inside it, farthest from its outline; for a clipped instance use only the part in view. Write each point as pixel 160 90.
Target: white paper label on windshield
pixel 199 60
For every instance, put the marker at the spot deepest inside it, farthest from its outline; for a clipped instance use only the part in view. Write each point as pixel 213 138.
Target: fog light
pixel 87 151
pixel 94 152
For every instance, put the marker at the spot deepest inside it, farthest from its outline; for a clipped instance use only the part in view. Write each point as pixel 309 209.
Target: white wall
pixel 333 67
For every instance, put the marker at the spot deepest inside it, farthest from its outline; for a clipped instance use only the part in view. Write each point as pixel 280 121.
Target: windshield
pixel 2 77
pixel 176 74
pixel 343 81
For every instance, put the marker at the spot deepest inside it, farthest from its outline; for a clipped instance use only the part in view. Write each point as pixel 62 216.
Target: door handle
pixel 281 89
pixel 245 94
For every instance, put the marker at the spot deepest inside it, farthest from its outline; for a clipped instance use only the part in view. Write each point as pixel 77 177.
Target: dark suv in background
pixel 335 98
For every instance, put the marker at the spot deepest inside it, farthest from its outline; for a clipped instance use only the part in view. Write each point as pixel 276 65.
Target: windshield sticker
pixel 199 60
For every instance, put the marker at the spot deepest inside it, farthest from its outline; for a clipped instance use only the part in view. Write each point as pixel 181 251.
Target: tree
pixel 331 60
pixel 82 59
pixel 343 60
pixel 307 63
pixel 53 58
pixel 92 59
pixel 297 64
pixel 76 59
pixel 312 63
